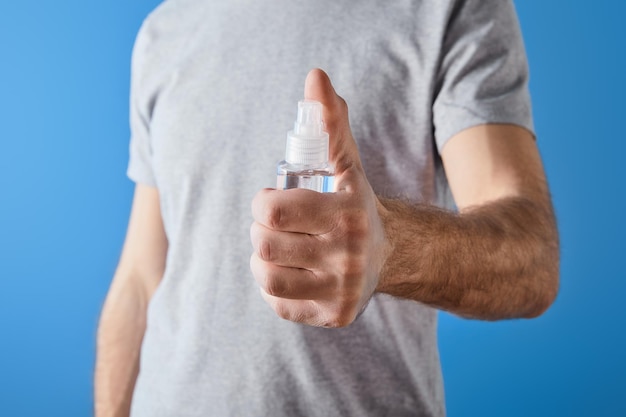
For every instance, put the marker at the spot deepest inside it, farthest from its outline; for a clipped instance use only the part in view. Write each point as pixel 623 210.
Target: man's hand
pixel 318 257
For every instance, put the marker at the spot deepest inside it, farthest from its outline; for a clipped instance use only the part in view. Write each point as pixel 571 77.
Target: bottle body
pixel 317 177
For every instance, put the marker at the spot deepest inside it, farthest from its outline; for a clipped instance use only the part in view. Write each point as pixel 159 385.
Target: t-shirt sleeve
pixel 483 75
pixel 140 167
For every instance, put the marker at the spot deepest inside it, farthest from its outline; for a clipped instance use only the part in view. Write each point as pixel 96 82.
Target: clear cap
pixel 307 143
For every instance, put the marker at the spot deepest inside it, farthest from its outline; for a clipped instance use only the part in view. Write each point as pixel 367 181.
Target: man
pixel 438 102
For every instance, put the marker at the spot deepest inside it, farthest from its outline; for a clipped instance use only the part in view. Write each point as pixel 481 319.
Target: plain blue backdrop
pixel 64 201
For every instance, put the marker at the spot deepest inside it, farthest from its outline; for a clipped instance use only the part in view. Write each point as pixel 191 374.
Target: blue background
pixel 64 201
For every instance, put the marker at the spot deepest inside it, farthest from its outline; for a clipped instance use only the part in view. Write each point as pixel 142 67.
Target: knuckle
pixel 274 286
pixel 343 105
pixel 283 311
pixel 340 319
pixel 274 216
pixel 341 314
pixel 264 249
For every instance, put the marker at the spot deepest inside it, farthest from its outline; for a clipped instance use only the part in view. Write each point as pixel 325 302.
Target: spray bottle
pixel 306 162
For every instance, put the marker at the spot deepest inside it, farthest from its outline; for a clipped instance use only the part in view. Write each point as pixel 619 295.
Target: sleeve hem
pixel 454 119
pixel 140 176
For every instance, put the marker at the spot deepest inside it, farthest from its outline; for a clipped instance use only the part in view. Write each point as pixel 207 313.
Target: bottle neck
pixel 306 150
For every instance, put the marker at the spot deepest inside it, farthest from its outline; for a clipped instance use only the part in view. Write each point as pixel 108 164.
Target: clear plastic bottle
pixel 306 162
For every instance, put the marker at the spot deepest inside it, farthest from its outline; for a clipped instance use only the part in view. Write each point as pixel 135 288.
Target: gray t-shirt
pixel 214 91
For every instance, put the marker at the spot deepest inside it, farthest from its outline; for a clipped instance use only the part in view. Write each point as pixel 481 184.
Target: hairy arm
pixel 498 257
pixel 123 319
pixel 318 258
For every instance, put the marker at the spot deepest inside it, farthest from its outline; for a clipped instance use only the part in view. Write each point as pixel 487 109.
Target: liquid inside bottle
pixel 321 179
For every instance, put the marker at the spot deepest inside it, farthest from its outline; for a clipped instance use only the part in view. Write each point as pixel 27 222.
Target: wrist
pixel 386 212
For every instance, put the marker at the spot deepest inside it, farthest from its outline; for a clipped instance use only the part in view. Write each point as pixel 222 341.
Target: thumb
pixel 344 153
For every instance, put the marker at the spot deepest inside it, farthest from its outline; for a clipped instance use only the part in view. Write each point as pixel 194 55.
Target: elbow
pixel 542 301
pixel 543 279
pixel 544 287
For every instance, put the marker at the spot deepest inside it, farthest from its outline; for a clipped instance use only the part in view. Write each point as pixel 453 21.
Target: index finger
pixel 295 210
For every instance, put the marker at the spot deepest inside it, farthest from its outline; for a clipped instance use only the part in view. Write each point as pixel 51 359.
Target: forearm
pixel 120 333
pixel 497 260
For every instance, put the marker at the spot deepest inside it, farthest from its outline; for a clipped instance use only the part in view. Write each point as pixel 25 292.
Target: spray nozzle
pixel 309 121
pixel 307 143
